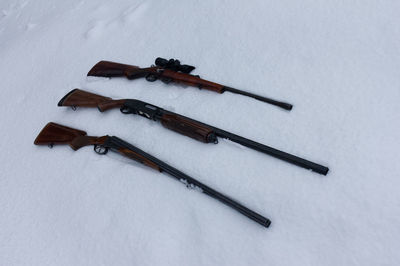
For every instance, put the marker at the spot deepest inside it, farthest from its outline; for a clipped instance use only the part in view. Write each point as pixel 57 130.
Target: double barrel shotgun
pixel 54 133
pixel 172 71
pixel 180 124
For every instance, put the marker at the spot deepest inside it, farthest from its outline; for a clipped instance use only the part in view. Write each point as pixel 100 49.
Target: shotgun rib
pixel 54 133
pixel 181 124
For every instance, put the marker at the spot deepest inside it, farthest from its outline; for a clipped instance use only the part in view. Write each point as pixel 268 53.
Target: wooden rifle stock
pixel 54 133
pixel 111 69
pixel 80 98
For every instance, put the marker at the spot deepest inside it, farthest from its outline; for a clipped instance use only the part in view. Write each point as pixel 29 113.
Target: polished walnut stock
pixel 80 98
pixel 111 69
pixel 54 133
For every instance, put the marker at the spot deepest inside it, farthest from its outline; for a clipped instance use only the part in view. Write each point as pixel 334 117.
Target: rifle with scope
pixel 172 71
pixel 54 133
pixel 180 124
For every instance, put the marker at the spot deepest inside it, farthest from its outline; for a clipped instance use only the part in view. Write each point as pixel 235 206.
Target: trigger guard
pixel 151 78
pixel 100 149
pixel 125 110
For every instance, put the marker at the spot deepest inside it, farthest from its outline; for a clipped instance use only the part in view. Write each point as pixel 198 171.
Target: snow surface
pixel 338 62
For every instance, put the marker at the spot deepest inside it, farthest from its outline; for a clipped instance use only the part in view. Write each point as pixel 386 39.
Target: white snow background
pixel 338 62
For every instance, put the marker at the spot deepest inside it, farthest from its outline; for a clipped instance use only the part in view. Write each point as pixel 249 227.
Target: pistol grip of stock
pixel 188 128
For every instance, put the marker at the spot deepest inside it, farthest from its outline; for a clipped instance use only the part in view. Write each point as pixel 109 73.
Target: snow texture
pixel 338 62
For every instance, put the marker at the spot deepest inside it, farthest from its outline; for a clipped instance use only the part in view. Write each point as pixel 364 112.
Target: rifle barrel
pixel 286 106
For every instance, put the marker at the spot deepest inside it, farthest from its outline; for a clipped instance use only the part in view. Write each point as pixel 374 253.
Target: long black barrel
pixel 273 152
pixel 283 105
pixel 116 143
pixel 263 148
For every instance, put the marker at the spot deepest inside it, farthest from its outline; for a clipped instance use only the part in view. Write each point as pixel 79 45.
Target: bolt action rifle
pixel 179 123
pixel 54 133
pixel 168 71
